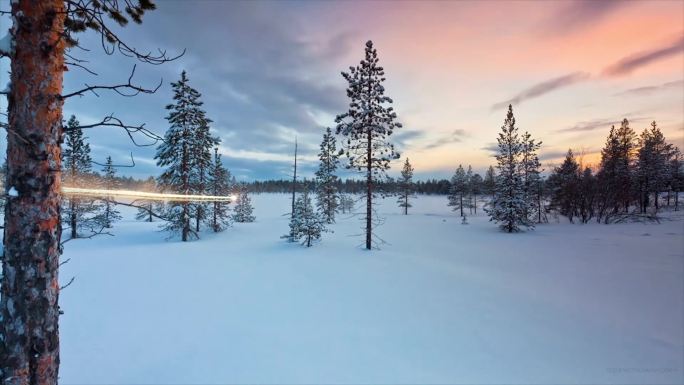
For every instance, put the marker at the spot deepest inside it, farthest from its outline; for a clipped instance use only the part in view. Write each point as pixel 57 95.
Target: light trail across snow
pixel 144 195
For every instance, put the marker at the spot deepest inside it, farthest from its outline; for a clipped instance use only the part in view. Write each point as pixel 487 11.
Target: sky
pixel 270 72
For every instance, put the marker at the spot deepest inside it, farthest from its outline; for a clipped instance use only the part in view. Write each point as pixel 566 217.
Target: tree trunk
pixel 72 218
pixel 369 190
pixel 29 347
pixel 676 200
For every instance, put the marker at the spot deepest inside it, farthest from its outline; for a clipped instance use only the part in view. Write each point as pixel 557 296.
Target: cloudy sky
pixel 270 71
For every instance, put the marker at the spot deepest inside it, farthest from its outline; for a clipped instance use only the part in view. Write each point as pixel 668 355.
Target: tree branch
pixel 111 121
pixel 116 165
pixel 136 90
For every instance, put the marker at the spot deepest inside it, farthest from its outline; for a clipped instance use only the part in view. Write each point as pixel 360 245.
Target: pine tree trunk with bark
pixel 29 347
pixel 369 190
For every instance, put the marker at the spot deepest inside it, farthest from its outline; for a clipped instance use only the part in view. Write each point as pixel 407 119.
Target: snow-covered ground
pixel 441 302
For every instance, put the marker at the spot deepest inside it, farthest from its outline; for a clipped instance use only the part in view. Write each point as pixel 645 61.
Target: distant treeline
pixel 350 186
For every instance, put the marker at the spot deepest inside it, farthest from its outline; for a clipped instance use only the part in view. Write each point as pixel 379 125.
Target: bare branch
pixel 93 234
pixel 134 89
pixel 94 18
pixel 68 283
pixel 111 121
pixel 116 165
pixel 140 207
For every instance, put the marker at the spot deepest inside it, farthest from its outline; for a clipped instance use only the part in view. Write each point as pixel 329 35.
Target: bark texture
pixel 29 339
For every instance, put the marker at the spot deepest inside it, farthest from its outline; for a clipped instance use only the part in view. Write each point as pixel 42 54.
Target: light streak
pixel 143 195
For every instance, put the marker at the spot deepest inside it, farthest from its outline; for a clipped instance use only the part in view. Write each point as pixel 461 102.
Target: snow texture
pixel 440 303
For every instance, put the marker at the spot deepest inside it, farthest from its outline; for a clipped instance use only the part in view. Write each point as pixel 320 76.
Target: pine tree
pixel 201 148
pixel 475 189
pixel 616 172
pixel 508 207
pixel 78 213
pixel 326 180
pixel 367 125
pixel 243 206
pixel 565 187
pixel 306 224
pixel 43 31
pixel 676 180
pixel 530 168
pixel 175 153
pixel 458 190
pixel 406 186
pixel 652 166
pixel 587 195
pixel 109 214
pixel 219 185
pixel 489 183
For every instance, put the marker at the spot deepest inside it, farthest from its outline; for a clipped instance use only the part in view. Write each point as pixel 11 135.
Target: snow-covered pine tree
pixel 219 185
pixel 78 212
pixel 243 205
pixel 201 148
pixel 367 125
pixel 175 154
pixel 458 190
pixel 326 180
pixel 508 204
pixel 306 224
pixel 530 168
pixel 109 214
pixel 406 186
pixel 148 209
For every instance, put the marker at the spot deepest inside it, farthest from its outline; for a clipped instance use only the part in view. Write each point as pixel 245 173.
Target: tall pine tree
pixel 458 190
pixel 176 155
pixel 326 180
pixel 616 172
pixel 652 166
pixel 367 125
pixel 509 206
pixel 406 187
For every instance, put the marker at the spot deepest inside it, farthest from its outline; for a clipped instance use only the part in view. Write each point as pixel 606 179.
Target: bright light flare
pixel 143 195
